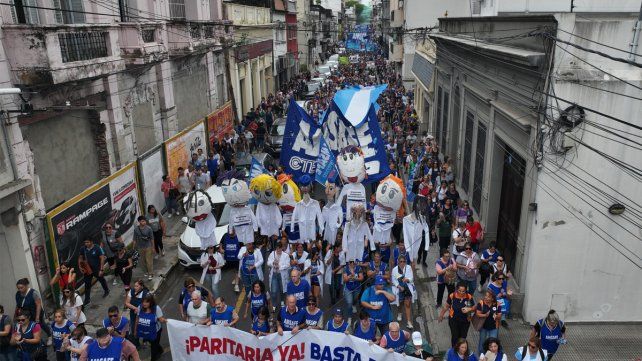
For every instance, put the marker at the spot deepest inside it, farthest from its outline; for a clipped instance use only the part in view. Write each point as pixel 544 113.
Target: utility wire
pixel 597 42
pixel 614 58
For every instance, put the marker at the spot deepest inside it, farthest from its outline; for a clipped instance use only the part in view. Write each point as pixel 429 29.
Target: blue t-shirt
pixel 313 320
pixel 300 291
pixel 222 318
pixel 399 345
pixel 246 262
pixel 368 334
pixel 58 331
pixel 256 302
pixel 212 167
pixel 123 324
pixel 451 355
pixel 92 255
pixel 381 270
pixel 330 326
pixel 492 259
pixel 231 247
pixel 352 285
pixel 290 321
pixel 382 315
pixel 112 352
pixel 146 328
pixel 257 326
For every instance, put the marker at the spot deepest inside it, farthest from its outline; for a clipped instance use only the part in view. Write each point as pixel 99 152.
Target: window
pixel 195 31
pixel 72 11
pixel 478 180
pixel 149 35
pixel 438 118
pixel 177 9
pixel 82 46
pixel 128 11
pixel 468 149
pixel 444 121
pixel 23 14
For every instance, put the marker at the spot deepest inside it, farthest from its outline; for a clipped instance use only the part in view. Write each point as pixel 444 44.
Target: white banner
pixel 189 342
pixel 152 171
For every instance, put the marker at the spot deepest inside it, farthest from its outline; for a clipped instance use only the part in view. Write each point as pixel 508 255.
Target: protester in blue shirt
pixel 376 300
pixel 261 322
pixel 148 325
pixel 222 314
pixel 186 295
pixel 365 328
pixel 551 331
pixel 460 352
pixel 313 314
pixel 337 323
pixel 212 167
pixel 394 340
pixel 61 329
pixel 299 288
pixel 290 318
pixel 231 248
pixel 115 323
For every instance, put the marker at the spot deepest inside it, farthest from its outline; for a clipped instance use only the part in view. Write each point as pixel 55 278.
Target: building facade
pixel 106 84
pixel 250 60
pixel 522 118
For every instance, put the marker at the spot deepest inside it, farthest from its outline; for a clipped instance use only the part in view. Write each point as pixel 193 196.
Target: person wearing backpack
pixel 123 265
pixel 7 352
pixel 28 299
pixel 533 349
pixel 551 332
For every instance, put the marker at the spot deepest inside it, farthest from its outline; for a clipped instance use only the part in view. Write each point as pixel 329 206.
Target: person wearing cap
pixel 337 323
pixel 313 314
pixel 109 347
pixel 376 300
pixel 394 340
pixel 418 348
pixel 365 328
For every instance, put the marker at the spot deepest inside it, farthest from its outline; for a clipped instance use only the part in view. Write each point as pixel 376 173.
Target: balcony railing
pixel 82 46
pixel 142 43
pixel 177 9
pixel 186 38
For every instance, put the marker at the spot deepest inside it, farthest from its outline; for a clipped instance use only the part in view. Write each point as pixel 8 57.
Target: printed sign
pixel 220 122
pixel 179 148
pixel 195 343
pixel 113 200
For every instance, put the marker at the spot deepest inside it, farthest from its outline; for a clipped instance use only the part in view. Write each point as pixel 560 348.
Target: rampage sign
pixel 188 342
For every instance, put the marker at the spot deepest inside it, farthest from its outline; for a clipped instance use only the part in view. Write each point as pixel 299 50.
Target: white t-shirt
pixel 72 311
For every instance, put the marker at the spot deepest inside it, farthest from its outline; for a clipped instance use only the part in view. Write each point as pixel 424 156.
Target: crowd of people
pixel 371 297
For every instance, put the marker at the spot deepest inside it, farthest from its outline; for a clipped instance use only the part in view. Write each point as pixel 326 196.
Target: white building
pixel 540 134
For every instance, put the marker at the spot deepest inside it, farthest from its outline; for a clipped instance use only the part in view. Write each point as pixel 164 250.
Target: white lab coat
pixel 353 240
pixel 258 261
pixel 333 219
pixel 306 214
pixel 307 264
pixel 220 261
pixel 407 272
pixel 243 221
pixel 269 219
pixel 412 229
pixel 328 273
pixel 205 230
pixel 355 193
pixel 284 267
pixel 383 222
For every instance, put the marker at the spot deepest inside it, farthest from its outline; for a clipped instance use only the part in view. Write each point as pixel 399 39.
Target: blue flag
pixel 256 168
pixel 326 163
pixel 300 142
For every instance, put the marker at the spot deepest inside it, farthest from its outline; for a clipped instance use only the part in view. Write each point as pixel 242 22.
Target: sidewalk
pixel 596 341
pixel 97 309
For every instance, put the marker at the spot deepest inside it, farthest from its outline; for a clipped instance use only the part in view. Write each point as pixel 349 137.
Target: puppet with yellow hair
pixel 267 191
pixel 389 197
pixel 290 197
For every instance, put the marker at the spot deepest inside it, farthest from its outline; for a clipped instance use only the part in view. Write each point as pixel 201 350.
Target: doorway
pixel 510 205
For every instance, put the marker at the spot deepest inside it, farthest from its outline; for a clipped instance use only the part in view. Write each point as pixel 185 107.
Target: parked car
pixel 244 163
pixel 189 247
pixel 324 70
pixel 276 134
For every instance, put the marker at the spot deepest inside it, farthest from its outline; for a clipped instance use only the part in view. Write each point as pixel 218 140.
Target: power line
pixel 614 58
pixel 597 42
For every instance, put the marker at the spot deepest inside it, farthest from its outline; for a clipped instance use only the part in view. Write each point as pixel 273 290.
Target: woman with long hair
pixel 313 271
pixel 72 304
pixel 133 299
pixel 258 297
pixel 157 223
pixel 460 352
pixel 493 350
pixel 491 313
pixel 64 277
pixel 123 265
pixel 261 322
pixel 77 342
pixel 148 325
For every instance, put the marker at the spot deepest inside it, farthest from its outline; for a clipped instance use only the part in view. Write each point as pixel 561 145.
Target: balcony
pixel 396 18
pixel 54 54
pixel 247 15
pixel 396 52
pixel 187 38
pixel 142 43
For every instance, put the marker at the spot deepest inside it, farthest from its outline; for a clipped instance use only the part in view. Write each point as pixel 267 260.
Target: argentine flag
pixel 354 102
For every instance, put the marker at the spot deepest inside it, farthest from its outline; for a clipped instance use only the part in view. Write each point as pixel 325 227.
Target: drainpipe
pixel 636 35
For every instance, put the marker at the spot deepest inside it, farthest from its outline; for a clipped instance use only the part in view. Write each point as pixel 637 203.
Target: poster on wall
pixel 220 122
pixel 112 201
pixel 179 148
pixel 152 170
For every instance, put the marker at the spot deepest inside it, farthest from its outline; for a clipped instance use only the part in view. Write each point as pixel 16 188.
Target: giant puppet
pixel 237 195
